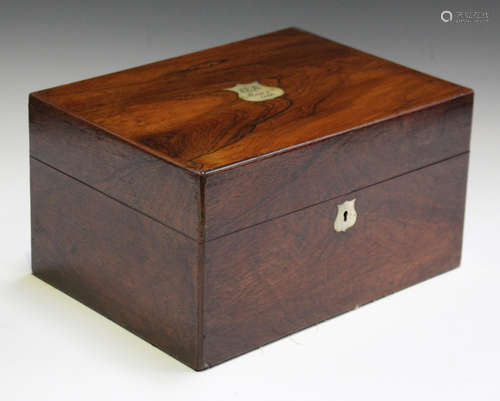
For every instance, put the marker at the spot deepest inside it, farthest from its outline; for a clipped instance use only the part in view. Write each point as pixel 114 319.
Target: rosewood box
pixel 218 201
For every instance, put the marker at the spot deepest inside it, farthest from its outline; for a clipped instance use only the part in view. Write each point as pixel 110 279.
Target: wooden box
pixel 215 202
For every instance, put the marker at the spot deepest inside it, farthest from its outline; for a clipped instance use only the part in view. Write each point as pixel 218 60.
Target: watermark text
pixel 464 17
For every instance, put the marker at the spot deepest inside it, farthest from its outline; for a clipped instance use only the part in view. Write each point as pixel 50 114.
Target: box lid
pixel 222 107
pixel 216 141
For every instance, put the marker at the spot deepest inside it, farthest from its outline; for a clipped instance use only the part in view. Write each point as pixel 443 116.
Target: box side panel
pixel 295 271
pixel 122 264
pixel 140 180
pixel 266 189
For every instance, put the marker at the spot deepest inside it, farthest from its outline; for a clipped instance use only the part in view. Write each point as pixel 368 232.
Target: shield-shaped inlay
pixel 256 92
pixel 346 216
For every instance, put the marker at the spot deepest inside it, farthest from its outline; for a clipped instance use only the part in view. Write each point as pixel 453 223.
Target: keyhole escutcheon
pixel 346 216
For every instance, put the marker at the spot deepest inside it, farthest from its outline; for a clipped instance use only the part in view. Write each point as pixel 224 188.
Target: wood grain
pixel 133 270
pixel 179 110
pixel 204 223
pixel 129 175
pixel 256 192
pixel 289 273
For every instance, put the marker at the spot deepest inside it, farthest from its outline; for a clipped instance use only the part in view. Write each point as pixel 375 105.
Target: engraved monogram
pixel 256 92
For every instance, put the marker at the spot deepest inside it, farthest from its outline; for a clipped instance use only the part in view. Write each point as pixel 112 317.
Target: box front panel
pixel 266 189
pixel 278 277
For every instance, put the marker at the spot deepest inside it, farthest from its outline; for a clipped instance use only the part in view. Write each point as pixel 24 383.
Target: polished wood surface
pixel 162 191
pixel 204 223
pixel 289 273
pixel 124 265
pixel 179 110
pixel 204 303
pixel 256 192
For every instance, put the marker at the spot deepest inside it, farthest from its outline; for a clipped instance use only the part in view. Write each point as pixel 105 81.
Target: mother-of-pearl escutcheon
pixel 256 92
pixel 346 216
